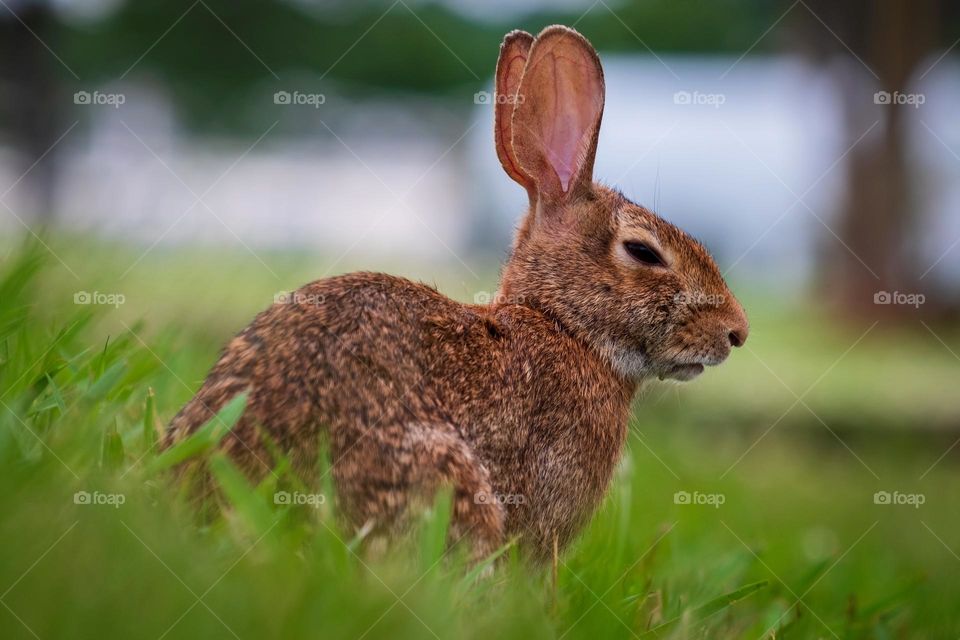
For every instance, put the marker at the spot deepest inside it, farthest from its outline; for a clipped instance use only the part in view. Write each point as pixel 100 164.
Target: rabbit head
pixel 640 291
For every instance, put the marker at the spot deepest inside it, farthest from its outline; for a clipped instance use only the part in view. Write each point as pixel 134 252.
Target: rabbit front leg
pixel 383 473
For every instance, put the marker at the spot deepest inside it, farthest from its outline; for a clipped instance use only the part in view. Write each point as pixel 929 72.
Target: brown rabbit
pixel 520 405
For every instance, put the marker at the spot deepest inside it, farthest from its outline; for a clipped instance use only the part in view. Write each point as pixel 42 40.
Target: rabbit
pixel 519 406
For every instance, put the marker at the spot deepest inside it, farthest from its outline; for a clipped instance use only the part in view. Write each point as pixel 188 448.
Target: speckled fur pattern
pixel 520 406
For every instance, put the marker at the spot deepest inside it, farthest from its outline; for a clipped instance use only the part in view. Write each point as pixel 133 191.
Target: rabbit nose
pixel 737 337
pixel 738 334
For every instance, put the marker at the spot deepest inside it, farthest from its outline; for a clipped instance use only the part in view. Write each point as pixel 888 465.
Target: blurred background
pixel 805 142
pixel 180 163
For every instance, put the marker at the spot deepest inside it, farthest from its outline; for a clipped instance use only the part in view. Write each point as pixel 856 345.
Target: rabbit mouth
pixel 682 372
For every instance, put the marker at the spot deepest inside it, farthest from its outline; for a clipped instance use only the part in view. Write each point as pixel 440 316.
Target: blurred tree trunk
pixel 31 101
pixel 878 221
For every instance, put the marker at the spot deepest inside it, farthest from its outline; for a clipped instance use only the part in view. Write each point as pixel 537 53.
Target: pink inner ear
pixel 563 149
pixel 572 114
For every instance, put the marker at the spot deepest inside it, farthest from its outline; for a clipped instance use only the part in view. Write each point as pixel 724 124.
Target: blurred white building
pixel 746 155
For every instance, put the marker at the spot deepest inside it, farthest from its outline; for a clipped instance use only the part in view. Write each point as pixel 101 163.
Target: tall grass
pixel 99 539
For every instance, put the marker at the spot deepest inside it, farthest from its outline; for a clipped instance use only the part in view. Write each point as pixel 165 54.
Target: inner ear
pixel 557 118
pixel 510 65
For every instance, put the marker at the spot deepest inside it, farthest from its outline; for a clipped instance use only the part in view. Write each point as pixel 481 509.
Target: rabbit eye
pixel 642 253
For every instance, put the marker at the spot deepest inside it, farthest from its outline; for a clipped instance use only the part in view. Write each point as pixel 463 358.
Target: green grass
pixel 797 549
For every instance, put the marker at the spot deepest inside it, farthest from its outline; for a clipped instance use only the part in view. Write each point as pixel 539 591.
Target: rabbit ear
pixel 557 118
pixel 513 58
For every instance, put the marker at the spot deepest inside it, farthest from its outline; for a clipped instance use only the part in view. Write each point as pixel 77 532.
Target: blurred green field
pixel 787 540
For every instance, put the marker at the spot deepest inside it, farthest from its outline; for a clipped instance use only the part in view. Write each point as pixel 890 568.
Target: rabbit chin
pixel 682 372
pixel 634 364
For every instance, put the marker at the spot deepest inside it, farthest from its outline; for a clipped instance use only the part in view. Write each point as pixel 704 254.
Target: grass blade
pixel 248 504
pixel 151 426
pixel 718 604
pixel 471 577
pixel 112 453
pixel 106 382
pixel 204 438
